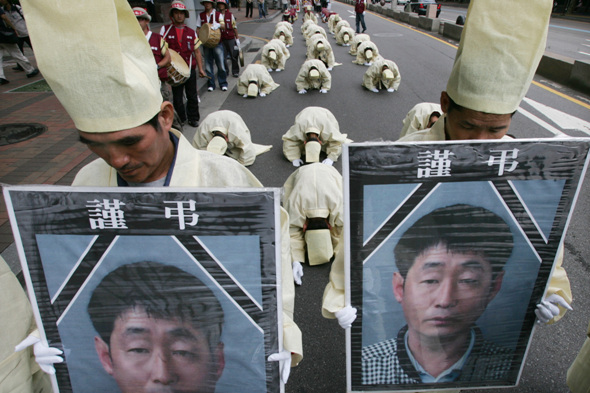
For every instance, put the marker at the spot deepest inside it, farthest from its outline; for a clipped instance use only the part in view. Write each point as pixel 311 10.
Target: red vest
pixel 229 32
pixel 359 8
pixel 187 42
pixel 155 40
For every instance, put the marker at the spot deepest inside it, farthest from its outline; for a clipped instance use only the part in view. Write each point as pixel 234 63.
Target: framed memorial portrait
pixel 154 289
pixel 451 246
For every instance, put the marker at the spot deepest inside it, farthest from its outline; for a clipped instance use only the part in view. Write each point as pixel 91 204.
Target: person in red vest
pixel 359 9
pixel 229 38
pixel 183 40
pixel 213 56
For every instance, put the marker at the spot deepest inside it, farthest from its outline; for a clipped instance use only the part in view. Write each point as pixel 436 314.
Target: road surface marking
pixel 562 119
pixel 542 123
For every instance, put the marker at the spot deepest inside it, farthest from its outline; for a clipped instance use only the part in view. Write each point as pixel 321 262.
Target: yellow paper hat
pixel 101 68
pixel 314 74
pixel 368 54
pixel 252 89
pixel 346 37
pixel 272 54
pixel 387 74
pixel 501 46
pixel 319 246
pixel 312 151
pixel 217 145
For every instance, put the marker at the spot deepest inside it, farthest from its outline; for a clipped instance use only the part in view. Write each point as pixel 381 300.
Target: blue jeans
pixel 215 55
pixel 360 19
pixel 261 11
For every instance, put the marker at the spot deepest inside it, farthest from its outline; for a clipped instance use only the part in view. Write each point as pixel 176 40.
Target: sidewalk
pixel 55 156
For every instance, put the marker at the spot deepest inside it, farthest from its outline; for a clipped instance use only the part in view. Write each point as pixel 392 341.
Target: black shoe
pixel 193 123
pixel 18 68
pixel 34 73
pixel 4 81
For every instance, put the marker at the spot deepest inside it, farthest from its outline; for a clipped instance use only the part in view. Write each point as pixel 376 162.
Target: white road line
pixel 584 53
pixel 564 120
pixel 542 123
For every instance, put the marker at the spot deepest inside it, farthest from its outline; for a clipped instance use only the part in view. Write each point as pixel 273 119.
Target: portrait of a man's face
pixel 445 292
pixel 159 330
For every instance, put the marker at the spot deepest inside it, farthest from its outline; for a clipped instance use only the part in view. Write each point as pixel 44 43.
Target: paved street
pixel 425 62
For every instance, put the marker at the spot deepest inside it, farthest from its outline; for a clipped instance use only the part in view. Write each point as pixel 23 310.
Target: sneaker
pixel 224 88
pixel 209 88
pixel 4 81
pixel 18 68
pixel 35 72
pixel 235 75
pixel 193 123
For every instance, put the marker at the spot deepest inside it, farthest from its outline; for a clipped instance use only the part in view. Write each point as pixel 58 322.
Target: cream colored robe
pixel 281 51
pixel 356 41
pixel 322 119
pixel 340 25
pixel 340 36
pixel 197 168
pixel 418 117
pixel 304 82
pixel 19 372
pixel 326 55
pixel 373 76
pixel 258 73
pixel 313 190
pixel 286 32
pixel 332 21
pixel 578 375
pixel 360 52
pixel 313 30
pixel 239 145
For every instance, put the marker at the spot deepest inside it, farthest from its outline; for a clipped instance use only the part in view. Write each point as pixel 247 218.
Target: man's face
pixel 143 22
pixel 208 6
pixel 178 16
pixel 149 355
pixel 467 124
pixel 140 154
pixel 444 293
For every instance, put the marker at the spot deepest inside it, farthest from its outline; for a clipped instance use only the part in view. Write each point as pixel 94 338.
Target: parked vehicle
pixel 402 2
pixel 420 6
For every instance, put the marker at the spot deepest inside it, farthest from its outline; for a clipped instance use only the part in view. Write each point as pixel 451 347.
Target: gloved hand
pixel 297 272
pixel 302 91
pixel 279 70
pixel 323 91
pixel 390 90
pixel 368 63
pixel 328 161
pixel 245 96
pixel 547 309
pixel 238 42
pixel 284 357
pixel 45 356
pixel 375 90
pixel 262 94
pixel 329 68
pixel 269 70
pixel 346 316
pixel 215 26
pixel 298 162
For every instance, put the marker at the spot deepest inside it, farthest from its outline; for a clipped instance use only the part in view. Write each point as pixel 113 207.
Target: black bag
pixel 7 35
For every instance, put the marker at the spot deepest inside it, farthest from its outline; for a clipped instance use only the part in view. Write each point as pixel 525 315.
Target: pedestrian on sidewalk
pixel 229 38
pixel 249 8
pixel 214 56
pixel 359 9
pixel 15 14
pixel 8 44
pixel 183 40
pixel 261 9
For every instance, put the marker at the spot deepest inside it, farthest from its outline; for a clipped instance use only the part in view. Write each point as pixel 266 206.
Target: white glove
pixel 547 309
pixel 288 46
pixel 238 42
pixel 284 357
pixel 215 26
pixel 368 64
pixel 329 68
pixel 346 316
pixel 298 162
pixel 297 272
pixel 375 90
pixel 269 70
pixel 278 70
pixel 364 12
pixel 302 91
pixel 45 356
pixel 323 91
pixel 262 94
pixel 328 161
pixel 245 96
pixel 390 90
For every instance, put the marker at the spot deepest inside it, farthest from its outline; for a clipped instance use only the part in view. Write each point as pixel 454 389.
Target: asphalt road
pixel 425 62
pixel 567 37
